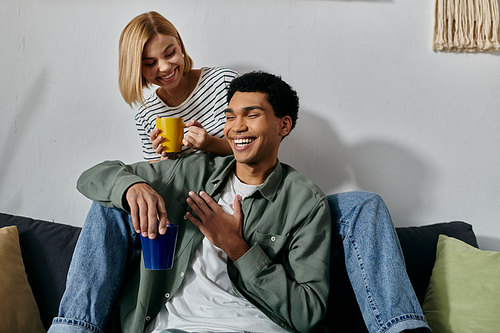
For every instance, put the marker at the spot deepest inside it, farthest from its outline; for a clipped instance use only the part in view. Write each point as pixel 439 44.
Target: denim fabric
pixel 96 271
pixel 375 263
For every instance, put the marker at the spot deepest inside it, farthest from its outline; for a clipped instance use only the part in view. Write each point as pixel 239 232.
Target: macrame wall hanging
pixel 466 26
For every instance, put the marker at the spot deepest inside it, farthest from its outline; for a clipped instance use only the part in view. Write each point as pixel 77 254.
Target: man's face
pixel 253 131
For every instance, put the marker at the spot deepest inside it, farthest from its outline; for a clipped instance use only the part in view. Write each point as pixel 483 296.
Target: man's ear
pixel 286 125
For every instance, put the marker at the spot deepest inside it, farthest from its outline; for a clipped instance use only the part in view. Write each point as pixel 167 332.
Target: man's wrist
pixel 237 252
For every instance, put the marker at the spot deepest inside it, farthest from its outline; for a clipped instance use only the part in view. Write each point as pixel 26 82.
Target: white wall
pixel 380 110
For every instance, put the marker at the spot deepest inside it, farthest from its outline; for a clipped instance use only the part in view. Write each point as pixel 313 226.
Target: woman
pixel 151 52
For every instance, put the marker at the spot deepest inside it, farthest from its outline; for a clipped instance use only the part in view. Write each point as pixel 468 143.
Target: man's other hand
pixel 221 229
pixel 147 209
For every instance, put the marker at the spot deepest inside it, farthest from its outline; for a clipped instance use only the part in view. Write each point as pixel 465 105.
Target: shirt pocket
pixel 272 244
pixel 176 214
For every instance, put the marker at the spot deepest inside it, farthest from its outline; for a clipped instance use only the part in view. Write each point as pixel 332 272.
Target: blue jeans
pixel 104 248
pixel 374 263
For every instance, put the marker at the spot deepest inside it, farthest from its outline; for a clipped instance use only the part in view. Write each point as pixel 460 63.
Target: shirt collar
pixel 268 189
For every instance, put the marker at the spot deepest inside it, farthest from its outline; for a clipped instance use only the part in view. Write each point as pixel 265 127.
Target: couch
pixel 47 249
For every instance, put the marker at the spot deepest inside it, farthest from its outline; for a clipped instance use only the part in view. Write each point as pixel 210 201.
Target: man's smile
pixel 240 143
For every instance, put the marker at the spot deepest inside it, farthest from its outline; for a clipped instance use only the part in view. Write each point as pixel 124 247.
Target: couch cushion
pixel 46 249
pixel 464 293
pixel 419 248
pixel 18 309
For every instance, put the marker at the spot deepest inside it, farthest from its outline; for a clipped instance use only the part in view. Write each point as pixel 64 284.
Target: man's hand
pixel 147 208
pixel 221 229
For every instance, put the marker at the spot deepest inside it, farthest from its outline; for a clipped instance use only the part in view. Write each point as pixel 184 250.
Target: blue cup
pixel 159 252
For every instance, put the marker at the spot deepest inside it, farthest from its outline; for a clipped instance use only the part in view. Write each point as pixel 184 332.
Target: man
pixel 253 244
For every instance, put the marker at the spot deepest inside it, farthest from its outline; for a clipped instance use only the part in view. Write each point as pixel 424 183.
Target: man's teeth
pixel 242 142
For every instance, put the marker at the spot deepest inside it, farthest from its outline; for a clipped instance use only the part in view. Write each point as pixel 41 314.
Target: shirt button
pixel 182 273
pixel 215 185
pixel 148 318
pixel 167 295
pixel 185 217
pixel 273 239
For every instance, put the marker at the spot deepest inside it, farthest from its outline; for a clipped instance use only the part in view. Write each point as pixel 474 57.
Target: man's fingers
pixel 152 221
pixel 237 207
pixel 144 218
pixel 147 210
pixel 162 219
pixel 201 204
pixel 209 201
pixel 194 220
pixel 192 202
pixel 136 222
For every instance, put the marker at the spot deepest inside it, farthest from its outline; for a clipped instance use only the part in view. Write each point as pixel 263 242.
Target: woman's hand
pixel 156 141
pixel 157 146
pixel 196 137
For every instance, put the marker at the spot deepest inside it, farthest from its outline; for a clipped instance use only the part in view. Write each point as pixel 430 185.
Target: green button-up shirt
pixel 286 221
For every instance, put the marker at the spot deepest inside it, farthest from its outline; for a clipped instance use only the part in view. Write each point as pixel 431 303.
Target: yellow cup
pixel 172 131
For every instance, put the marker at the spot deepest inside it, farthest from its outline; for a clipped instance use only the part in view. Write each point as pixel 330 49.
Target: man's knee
pixel 350 203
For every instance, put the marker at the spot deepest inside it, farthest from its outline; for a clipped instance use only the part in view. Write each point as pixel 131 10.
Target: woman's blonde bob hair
pixel 132 40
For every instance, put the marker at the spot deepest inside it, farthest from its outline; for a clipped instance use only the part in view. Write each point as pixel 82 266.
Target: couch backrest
pixel 47 249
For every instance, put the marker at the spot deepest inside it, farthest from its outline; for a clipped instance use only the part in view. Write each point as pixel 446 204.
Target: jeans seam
pixel 76 322
pixel 367 288
pixel 113 293
pixel 409 316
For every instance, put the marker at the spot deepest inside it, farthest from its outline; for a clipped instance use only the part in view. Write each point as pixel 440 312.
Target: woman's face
pixel 162 61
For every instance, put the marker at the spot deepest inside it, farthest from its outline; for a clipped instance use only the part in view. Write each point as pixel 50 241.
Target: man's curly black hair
pixel 280 94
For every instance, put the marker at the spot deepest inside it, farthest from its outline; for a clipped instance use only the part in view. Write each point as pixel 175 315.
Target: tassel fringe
pixel 466 26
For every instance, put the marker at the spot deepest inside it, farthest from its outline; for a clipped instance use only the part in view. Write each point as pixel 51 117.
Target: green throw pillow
pixel 464 290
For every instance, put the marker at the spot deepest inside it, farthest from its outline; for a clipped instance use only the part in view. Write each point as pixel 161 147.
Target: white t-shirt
pixel 206 300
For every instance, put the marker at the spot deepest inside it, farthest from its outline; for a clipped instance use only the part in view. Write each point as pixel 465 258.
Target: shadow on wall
pixel 400 177
pixel 394 173
pixel 488 243
pixel 385 168
pixel 315 150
